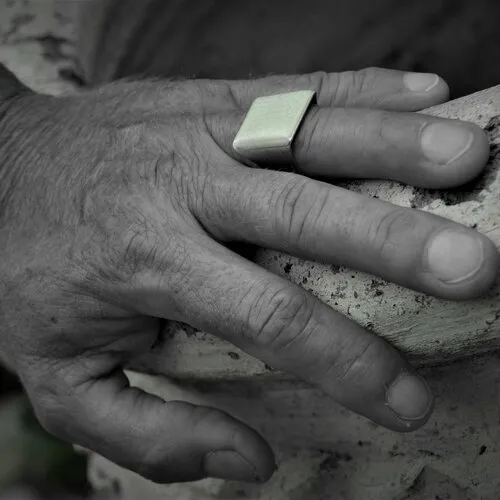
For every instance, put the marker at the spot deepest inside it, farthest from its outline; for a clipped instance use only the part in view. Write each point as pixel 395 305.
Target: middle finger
pixel 315 220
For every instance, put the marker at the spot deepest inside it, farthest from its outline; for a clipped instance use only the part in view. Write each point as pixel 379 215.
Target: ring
pixel 270 126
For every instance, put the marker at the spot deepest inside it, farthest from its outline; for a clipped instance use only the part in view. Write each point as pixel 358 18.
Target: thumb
pixel 162 441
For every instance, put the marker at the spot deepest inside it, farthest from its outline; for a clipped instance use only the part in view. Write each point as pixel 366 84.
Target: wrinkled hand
pixel 116 210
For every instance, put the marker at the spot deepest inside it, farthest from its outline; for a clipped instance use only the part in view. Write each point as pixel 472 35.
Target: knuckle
pixel 300 208
pixel 352 83
pixel 191 167
pixel 204 418
pixel 231 96
pixel 356 360
pixel 141 247
pixel 308 136
pixel 182 175
pixel 392 232
pixel 163 464
pixel 183 160
pixel 145 248
pixel 342 88
pixel 384 125
pixel 367 76
pixel 174 157
pixel 322 82
pixel 280 319
pixel 362 80
pixel 286 205
pixel 208 197
pixel 136 237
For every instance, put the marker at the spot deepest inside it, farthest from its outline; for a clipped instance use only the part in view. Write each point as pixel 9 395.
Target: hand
pixel 117 207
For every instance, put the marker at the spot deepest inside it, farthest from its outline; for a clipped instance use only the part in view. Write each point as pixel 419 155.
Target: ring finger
pixel 412 148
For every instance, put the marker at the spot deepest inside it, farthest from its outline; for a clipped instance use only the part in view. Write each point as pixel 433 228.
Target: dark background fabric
pixel 459 39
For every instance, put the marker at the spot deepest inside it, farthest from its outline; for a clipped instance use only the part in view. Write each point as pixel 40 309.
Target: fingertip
pixel 486 276
pixel 229 465
pixel 460 264
pixel 455 152
pixel 236 451
pixel 410 399
pixel 472 162
pixel 477 156
pixel 428 86
pixel 256 450
pixel 414 92
pixel 234 466
pixel 440 93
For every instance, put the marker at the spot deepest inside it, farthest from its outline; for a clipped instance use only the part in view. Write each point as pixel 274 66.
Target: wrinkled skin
pixel 118 207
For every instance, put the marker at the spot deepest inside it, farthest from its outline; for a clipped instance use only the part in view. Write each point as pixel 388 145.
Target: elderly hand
pixel 117 207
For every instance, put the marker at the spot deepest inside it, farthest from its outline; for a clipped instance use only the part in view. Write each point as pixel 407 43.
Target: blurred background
pixel 37 43
pixel 33 465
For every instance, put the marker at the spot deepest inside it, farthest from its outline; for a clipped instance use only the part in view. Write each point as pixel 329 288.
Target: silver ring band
pixel 270 126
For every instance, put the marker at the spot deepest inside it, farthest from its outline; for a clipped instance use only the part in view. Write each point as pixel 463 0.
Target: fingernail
pixel 454 256
pixel 420 82
pixel 229 465
pixel 445 142
pixel 409 397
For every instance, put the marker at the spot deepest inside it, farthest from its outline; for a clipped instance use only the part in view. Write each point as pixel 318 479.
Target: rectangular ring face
pixel 271 124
